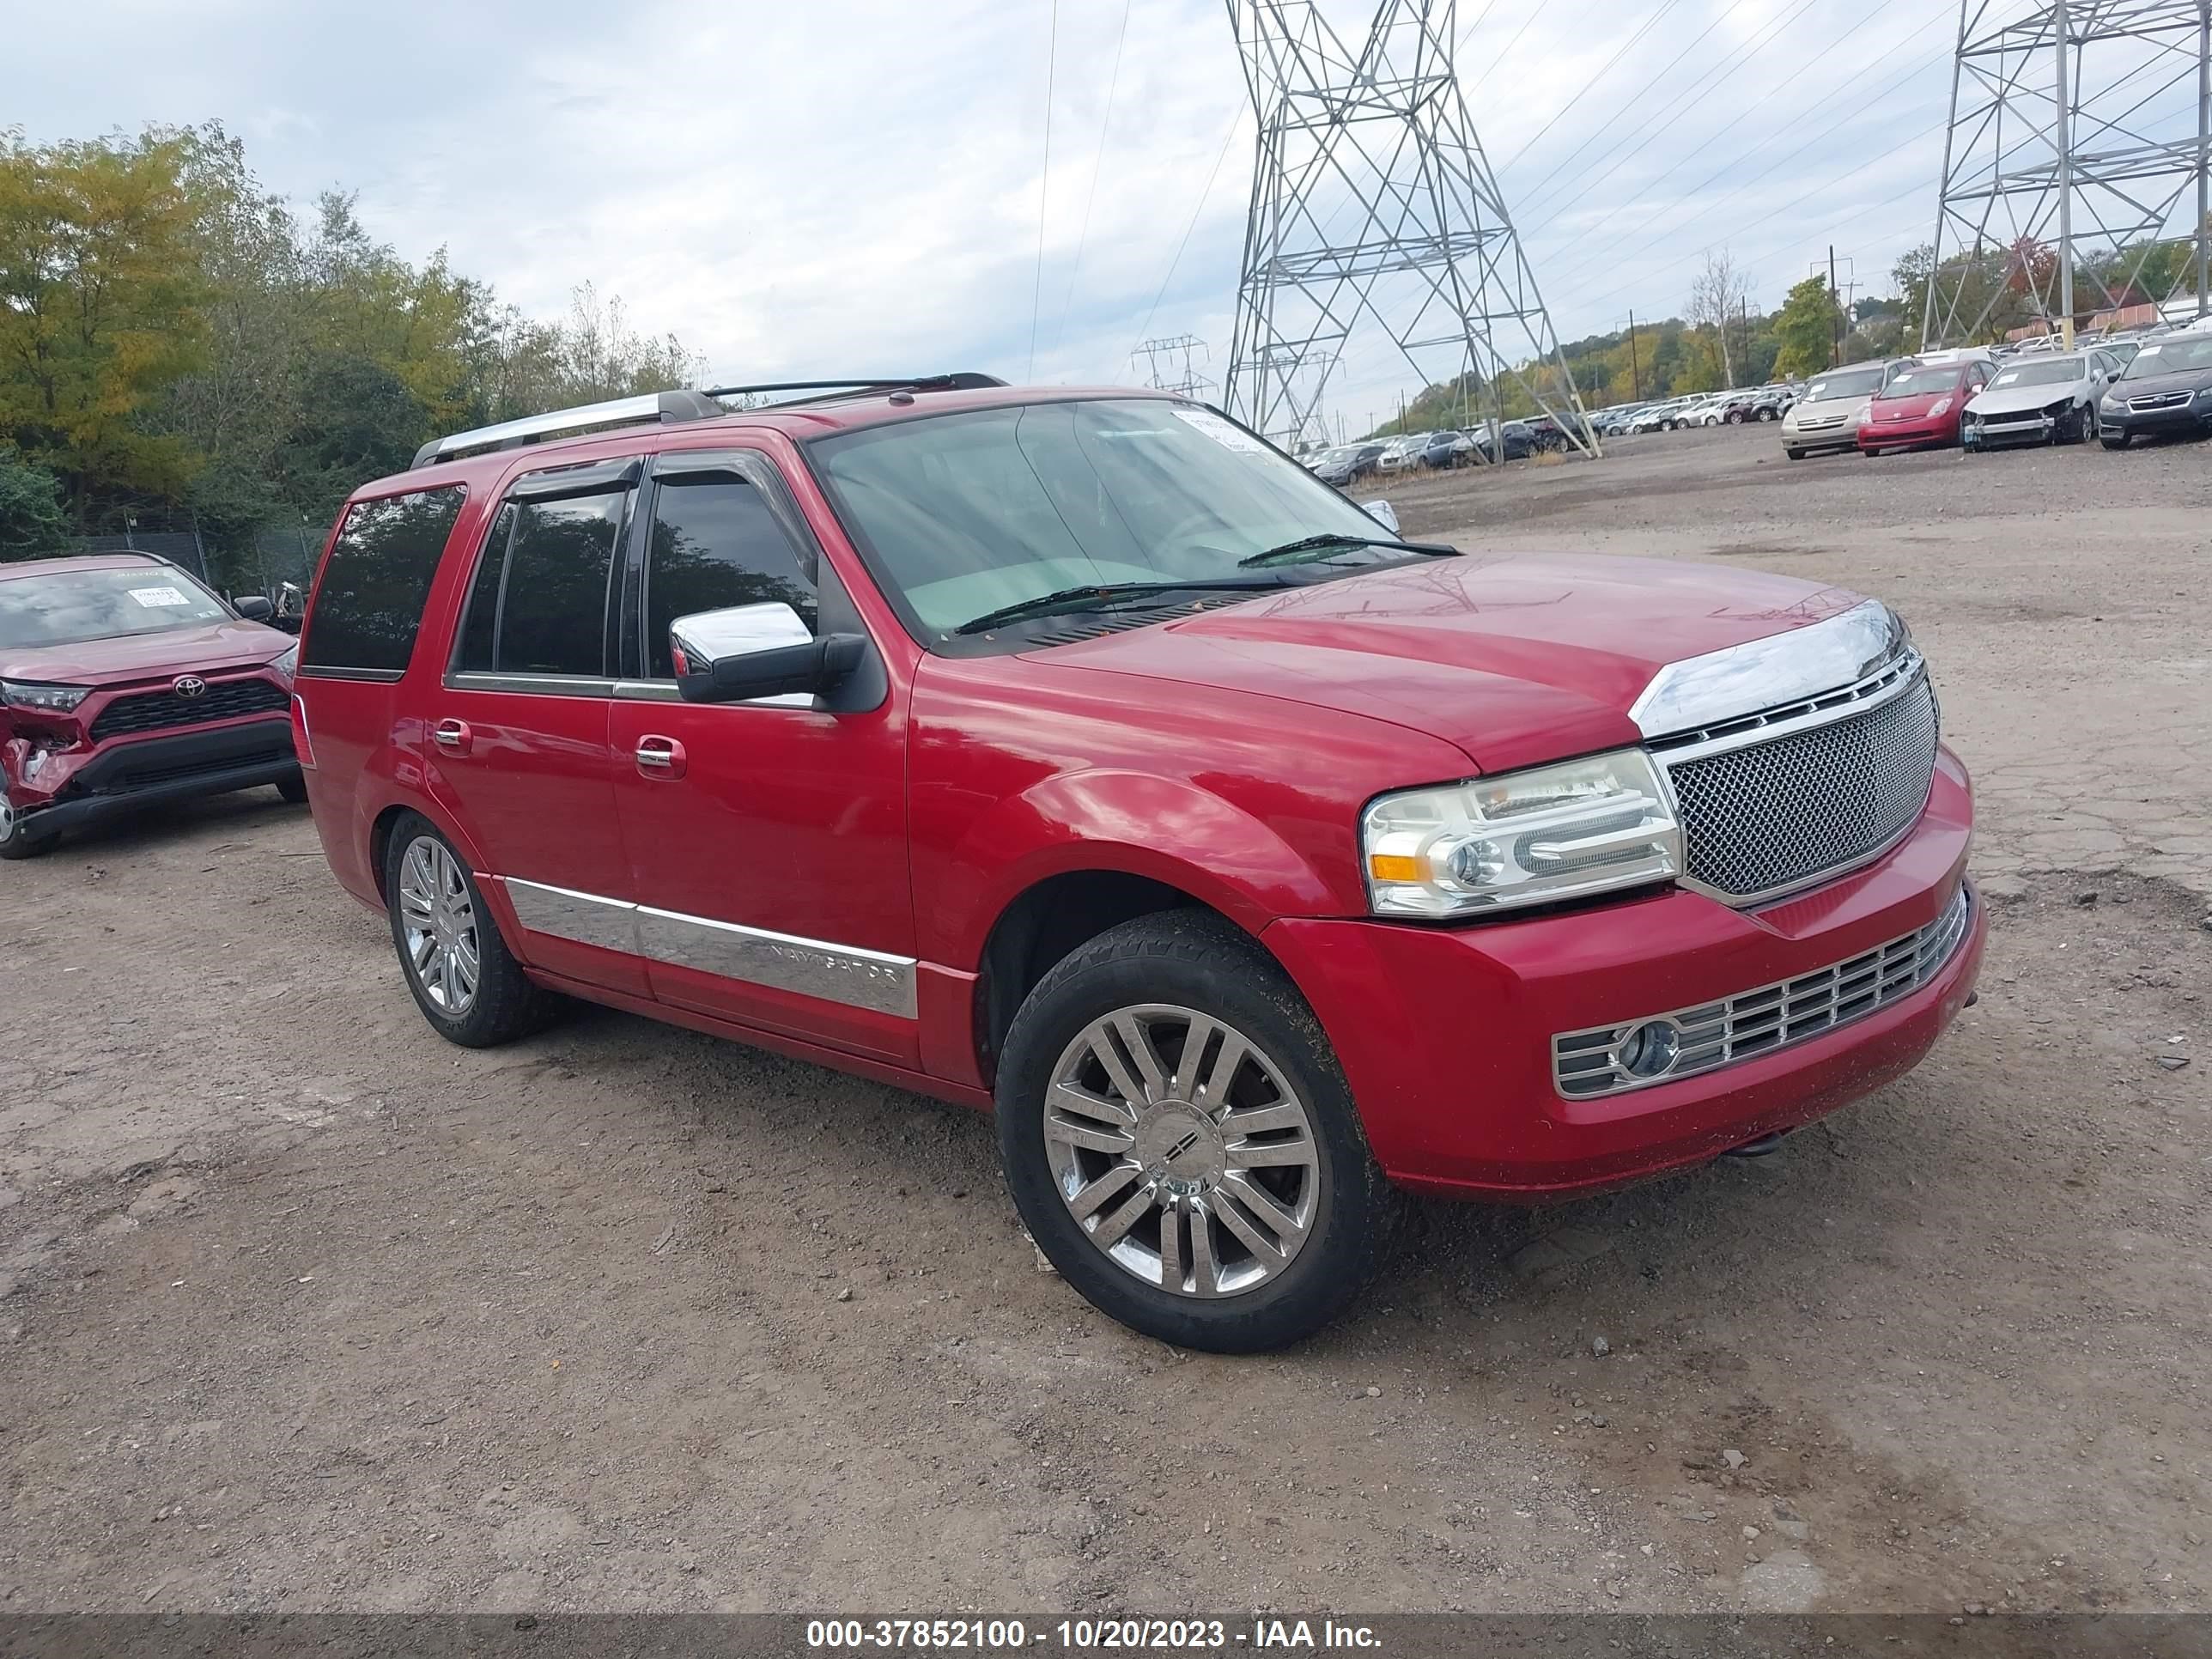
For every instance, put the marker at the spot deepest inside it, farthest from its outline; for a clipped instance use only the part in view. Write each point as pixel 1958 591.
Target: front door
pixel 518 730
pixel 767 840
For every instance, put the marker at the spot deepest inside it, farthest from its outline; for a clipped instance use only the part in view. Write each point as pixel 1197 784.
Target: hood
pixel 1514 661
pixel 1917 406
pixel 2149 385
pixel 1829 408
pixel 228 644
pixel 2012 399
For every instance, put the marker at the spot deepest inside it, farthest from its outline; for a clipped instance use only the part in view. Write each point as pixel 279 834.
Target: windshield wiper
pixel 1300 552
pixel 1094 595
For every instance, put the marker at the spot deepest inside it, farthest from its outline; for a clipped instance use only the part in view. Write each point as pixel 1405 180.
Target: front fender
pixel 1123 821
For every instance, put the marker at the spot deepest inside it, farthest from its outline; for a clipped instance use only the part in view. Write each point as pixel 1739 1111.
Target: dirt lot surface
pixel 301 1308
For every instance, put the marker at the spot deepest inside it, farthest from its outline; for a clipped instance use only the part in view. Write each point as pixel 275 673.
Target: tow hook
pixel 1758 1148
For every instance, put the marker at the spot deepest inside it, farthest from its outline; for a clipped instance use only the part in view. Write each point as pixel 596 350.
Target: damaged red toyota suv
pixel 125 683
pixel 1079 755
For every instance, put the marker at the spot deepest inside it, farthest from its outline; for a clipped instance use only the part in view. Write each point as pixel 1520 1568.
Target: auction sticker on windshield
pixel 156 598
pixel 1221 432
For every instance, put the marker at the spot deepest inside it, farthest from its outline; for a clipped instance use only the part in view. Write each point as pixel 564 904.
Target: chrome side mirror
pixel 751 651
pixel 1383 514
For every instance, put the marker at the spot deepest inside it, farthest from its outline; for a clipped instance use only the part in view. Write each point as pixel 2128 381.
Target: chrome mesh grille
pixel 1587 1064
pixel 1768 817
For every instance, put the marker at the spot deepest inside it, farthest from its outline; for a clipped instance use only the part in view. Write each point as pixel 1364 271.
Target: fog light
pixel 1652 1049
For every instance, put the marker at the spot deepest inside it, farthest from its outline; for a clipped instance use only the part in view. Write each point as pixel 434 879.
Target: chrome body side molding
pixel 836 973
pixel 846 974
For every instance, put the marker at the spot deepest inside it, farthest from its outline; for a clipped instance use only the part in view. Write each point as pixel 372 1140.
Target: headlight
pixel 1551 833
pixel 2058 410
pixel 2111 402
pixel 287 665
pixel 1942 407
pixel 57 699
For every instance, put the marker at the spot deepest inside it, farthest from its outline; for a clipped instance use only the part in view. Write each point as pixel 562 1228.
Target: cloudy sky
pixel 857 186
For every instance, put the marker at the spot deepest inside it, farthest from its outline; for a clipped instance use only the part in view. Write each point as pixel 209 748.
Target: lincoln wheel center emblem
pixel 189 685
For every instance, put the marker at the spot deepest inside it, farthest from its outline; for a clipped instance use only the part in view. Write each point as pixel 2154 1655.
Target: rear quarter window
pixel 368 607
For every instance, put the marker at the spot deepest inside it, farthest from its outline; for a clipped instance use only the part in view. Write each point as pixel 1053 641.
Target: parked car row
pixel 1513 441
pixel 1977 398
pixel 1736 407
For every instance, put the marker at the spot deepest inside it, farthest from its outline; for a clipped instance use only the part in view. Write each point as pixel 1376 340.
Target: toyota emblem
pixel 189 685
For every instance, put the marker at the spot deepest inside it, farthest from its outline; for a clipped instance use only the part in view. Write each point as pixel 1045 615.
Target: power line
pixel 1204 195
pixel 1620 51
pixel 1858 166
pixel 1722 69
pixel 1044 184
pixel 1098 165
pixel 1738 189
pixel 1711 139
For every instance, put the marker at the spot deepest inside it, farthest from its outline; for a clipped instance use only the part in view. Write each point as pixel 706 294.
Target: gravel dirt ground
pixel 301 1309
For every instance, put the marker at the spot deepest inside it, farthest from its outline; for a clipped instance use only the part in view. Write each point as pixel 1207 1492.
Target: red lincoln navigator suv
pixel 124 683
pixel 1079 755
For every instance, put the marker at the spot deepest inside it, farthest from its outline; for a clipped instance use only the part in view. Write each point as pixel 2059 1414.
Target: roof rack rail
pixel 661 408
pixel 963 380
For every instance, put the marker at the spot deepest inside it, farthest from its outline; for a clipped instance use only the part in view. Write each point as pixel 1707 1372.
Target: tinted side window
pixel 369 606
pixel 539 602
pixel 716 543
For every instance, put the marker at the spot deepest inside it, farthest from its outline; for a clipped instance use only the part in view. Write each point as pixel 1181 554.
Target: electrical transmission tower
pixel 1374 218
pixel 2080 131
pixel 1176 349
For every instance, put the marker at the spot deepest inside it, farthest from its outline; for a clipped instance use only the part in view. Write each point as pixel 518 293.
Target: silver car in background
pixel 2038 399
pixel 1828 415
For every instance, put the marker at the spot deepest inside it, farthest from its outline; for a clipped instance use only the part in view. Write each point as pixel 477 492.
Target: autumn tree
pixel 101 300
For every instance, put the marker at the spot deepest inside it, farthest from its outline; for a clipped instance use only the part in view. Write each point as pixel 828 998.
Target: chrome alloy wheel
pixel 438 920
pixel 1182 1151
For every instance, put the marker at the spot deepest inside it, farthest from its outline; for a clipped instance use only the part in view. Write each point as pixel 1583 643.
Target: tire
pixel 15 839
pixel 294 789
pixel 1248 1284
pixel 502 1004
pixel 1767 415
pixel 1735 417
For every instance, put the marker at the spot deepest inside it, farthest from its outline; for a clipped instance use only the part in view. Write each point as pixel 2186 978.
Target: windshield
pixel 67 607
pixel 1919 382
pixel 1851 382
pixel 2170 357
pixel 966 514
pixel 2051 371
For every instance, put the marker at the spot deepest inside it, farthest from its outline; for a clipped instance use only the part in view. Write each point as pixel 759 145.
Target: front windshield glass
pixel 68 607
pixel 2051 371
pixel 966 514
pixel 2171 357
pixel 1847 383
pixel 1919 382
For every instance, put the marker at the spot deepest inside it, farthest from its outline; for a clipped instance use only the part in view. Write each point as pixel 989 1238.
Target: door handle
pixel 660 757
pixel 453 736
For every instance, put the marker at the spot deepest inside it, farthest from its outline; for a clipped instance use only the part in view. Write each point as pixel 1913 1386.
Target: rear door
pixel 768 839
pixel 518 729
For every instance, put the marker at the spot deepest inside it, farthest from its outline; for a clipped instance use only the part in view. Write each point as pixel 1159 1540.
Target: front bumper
pixel 71 790
pixel 2041 427
pixel 1844 435
pixel 2186 421
pixel 1909 434
pixel 1445 1033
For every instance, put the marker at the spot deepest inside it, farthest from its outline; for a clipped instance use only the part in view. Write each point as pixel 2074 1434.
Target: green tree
pixel 31 521
pixel 100 297
pixel 1805 327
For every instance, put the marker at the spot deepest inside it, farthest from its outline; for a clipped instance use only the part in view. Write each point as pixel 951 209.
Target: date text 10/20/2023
pixel 1087 1635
